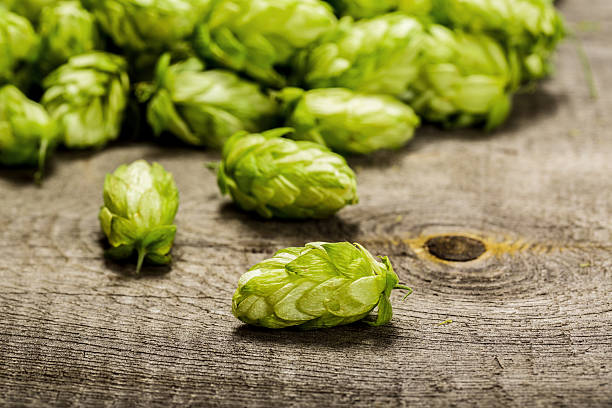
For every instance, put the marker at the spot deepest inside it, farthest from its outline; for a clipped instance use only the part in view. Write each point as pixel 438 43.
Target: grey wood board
pixel 531 317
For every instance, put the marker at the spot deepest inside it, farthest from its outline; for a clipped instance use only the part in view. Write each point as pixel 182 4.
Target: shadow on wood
pixel 331 229
pixel 127 267
pixel 343 337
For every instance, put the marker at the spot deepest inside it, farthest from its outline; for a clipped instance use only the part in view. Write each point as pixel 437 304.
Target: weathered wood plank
pixel 531 318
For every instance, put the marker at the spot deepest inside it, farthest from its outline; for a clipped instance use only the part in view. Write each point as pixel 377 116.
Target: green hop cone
pixel 283 178
pixel 27 133
pixel 88 96
pixel 204 108
pixel 531 28
pixel 140 202
pixel 66 29
pixel 30 9
pixel 380 55
pixel 18 45
pixel 420 8
pixel 316 286
pixel 346 121
pixel 254 36
pixel 138 25
pixel 363 8
pixel 465 80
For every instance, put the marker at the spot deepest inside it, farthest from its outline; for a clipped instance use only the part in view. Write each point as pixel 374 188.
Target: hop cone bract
pixel 205 108
pixel 316 286
pixel 283 178
pixel 88 96
pixel 363 8
pixel 140 202
pixel 347 121
pixel 30 9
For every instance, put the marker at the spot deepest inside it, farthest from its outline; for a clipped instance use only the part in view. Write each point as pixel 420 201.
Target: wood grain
pixel 531 317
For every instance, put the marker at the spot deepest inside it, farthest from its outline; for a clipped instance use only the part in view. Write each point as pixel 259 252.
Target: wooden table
pixel 531 317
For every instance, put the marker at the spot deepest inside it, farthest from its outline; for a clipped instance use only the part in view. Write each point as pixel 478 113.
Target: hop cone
pixel 465 80
pixel 139 25
pixel 140 202
pixel 363 8
pixel 316 286
pixel 30 9
pixel 88 96
pixel 66 29
pixel 283 178
pixel 18 44
pixel 347 121
pixel 27 133
pixel 532 28
pixel 380 55
pixel 253 36
pixel 421 8
pixel 204 108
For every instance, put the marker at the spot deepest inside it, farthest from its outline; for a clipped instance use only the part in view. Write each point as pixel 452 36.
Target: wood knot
pixel 455 248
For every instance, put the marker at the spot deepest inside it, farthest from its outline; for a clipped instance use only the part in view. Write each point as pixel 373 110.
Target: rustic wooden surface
pixel 531 317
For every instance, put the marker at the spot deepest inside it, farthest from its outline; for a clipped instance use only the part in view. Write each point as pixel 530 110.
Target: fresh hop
pixel 204 108
pixel 30 9
pixel 27 133
pixel 364 8
pixel 18 44
pixel 279 177
pixel 66 30
pixel 316 286
pixel 88 96
pixel 140 202
pixel 254 36
pixel 380 55
pixel 531 28
pixel 138 25
pixel 465 79
pixel 346 121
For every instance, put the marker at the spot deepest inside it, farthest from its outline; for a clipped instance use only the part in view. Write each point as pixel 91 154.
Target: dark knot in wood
pixel 455 248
